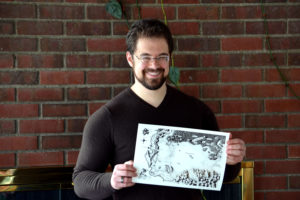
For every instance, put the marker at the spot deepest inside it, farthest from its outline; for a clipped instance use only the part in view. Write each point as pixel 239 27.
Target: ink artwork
pixel 180 157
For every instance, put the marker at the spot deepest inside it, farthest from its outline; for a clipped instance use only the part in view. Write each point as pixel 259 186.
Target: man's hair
pixel 148 28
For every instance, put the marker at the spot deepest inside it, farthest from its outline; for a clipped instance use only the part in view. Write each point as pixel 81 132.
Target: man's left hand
pixel 236 150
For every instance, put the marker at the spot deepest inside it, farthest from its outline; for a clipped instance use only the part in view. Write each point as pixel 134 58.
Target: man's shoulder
pixel 182 98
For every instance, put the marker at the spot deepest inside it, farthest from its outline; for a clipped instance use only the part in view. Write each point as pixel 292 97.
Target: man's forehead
pixel 146 45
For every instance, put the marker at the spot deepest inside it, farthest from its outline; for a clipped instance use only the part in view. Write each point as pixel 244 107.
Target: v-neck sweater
pixel 109 137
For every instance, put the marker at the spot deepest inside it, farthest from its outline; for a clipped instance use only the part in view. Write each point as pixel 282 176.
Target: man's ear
pixel 129 58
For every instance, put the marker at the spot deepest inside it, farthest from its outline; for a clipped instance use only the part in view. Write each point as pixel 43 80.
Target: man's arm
pixel 89 177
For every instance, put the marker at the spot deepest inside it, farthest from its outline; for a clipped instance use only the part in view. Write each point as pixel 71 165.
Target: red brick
pixel 61 77
pixel 242 106
pixel 40 61
pixel 294 27
pixel 293 120
pixel 270 183
pixel 41 159
pixel 88 61
pixel 106 45
pixel 222 91
pixel 282 136
pixel 39 28
pixel 215 106
pixel 7 160
pixel 275 12
pixel 93 107
pixel 57 142
pixel 13 143
pixel 7 28
pixel 17 11
pixel 98 12
pixel 262 121
pixel 266 152
pixel 192 76
pixel 19 77
pixel 293 11
pixel 63 45
pixel 288 167
pixel 223 28
pixel 117 90
pixel 184 28
pixel 264 59
pixel 181 1
pixel 222 60
pixel 76 125
pixel 241 75
pixel 290 74
pixel 294 151
pixel 294 182
pixel 229 121
pixel 41 126
pixel 273 27
pixel 120 28
pixel 294 59
pixel 186 60
pixel 259 195
pixel 79 94
pixel 88 28
pixel 235 44
pixel 61 110
pixel 249 136
pixel 285 43
pixel 6 61
pixel 241 12
pixel 198 44
pixel 282 105
pixel 18 110
pixel 282 195
pixel 61 12
pixel 294 90
pixel 259 167
pixel 7 127
pixel 265 90
pixel 7 94
pixel 40 94
pixel 155 12
pixel 18 44
pixel 119 61
pixel 72 157
pixel 192 90
pixel 108 77
pixel 198 12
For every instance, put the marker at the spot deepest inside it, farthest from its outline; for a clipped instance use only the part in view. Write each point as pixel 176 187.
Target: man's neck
pixel 153 97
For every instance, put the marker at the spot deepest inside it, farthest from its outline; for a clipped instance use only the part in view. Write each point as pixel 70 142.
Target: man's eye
pixel 146 58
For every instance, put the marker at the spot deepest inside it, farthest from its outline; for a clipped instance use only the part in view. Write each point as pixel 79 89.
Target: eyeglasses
pixel 160 59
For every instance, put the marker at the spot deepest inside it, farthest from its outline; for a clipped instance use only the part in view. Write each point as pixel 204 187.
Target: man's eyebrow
pixel 162 54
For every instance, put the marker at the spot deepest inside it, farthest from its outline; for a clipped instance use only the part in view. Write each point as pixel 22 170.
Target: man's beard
pixel 151 84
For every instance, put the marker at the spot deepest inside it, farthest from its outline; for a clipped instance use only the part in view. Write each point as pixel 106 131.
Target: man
pixel 110 134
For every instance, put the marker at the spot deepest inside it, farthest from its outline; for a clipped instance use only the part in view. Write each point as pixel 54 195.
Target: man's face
pixel 151 73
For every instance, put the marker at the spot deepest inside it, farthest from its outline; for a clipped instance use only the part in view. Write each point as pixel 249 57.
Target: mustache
pixel 154 70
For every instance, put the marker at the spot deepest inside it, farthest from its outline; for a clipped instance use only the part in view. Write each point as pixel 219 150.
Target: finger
pixel 232 160
pixel 236 141
pixel 130 162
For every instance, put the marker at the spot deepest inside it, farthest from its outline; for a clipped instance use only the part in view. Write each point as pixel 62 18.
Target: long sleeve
pixel 89 177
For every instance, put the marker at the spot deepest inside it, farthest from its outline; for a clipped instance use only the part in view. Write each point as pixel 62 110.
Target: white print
pixel 180 157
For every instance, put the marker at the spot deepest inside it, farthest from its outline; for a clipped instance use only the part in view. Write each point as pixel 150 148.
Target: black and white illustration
pixel 180 157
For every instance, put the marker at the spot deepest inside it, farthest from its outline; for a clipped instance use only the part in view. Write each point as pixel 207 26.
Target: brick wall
pixel 61 60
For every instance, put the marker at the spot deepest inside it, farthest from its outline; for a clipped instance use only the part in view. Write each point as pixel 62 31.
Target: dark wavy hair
pixel 148 28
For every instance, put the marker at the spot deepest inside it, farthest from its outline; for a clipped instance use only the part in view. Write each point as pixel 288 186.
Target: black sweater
pixel 109 138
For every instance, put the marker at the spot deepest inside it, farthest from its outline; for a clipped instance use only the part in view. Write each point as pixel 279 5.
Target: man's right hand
pixel 122 175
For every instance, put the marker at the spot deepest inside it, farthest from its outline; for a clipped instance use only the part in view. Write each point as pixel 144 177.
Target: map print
pixel 180 157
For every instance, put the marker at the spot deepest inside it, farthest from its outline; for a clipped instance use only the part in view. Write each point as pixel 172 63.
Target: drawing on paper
pixel 180 157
